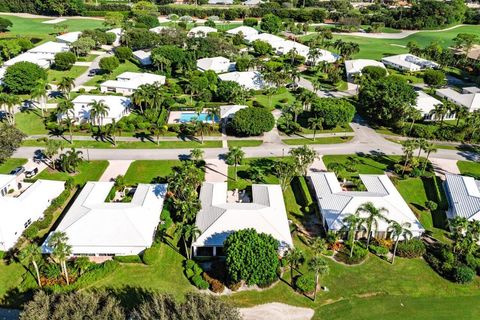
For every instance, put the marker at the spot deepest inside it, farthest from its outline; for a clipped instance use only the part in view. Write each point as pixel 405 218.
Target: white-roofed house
pixel 426 104
pixel 69 37
pixel 220 2
pixel 98 228
pixel 266 37
pixel 463 195
pixel 355 67
pixel 336 204
pixel 19 211
pixel 118 35
pixel 321 55
pixel 117 108
pixel 143 57
pixel 201 31
pixel 244 30
pixel 127 82
pixel 227 112
pixel 250 80
pixel 218 218
pixel 42 55
pixel 408 62
pixel 217 64
pixel 469 98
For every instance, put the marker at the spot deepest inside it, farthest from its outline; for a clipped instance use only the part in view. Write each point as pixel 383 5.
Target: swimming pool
pixel 192 116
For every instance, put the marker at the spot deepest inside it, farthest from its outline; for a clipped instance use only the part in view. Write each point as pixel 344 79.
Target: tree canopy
pixel 22 77
pixel 252 121
pixel 333 111
pixel 10 140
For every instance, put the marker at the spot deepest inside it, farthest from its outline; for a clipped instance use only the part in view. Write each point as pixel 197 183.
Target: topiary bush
pixel 199 282
pixel 252 121
pixel 128 259
pixel 412 248
pixel 305 283
pixel 463 274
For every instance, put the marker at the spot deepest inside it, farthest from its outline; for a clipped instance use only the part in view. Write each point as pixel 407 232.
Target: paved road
pixel 307 84
pixel 80 80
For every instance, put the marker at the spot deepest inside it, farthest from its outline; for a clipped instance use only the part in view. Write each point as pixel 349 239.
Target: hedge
pixel 103 13
pixel 128 259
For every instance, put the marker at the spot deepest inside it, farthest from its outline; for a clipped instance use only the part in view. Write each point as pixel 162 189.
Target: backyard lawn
pixel 144 171
pixel 30 122
pixel 55 76
pixel 281 98
pixel 10 164
pixel 87 171
pixel 469 168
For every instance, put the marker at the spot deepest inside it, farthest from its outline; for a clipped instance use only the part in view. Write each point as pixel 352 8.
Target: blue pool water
pixel 191 116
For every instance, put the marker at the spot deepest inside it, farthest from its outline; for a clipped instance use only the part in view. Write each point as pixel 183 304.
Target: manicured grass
pixel 469 168
pixel 244 143
pixel 371 48
pixel 86 171
pixel 10 164
pixel 144 171
pixel 329 140
pixel 30 122
pixel 368 164
pixel 243 176
pixel 55 76
pixel 10 278
pixel 132 145
pixel 275 101
pixel 123 67
pixel 35 28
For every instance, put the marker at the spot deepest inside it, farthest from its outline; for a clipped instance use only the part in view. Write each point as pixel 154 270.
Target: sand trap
pixel 54 21
pixel 277 311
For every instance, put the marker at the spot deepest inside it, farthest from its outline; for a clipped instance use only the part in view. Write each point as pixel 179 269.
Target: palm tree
pixel 440 111
pixel 65 108
pixel 399 230
pixel 295 259
pixel 41 91
pixel 318 246
pixel 473 122
pixel 202 127
pixel 66 85
pixel 408 147
pixel 420 144
pixel 189 233
pixel 319 267
pixel 373 215
pixel 296 108
pixel 196 154
pixel 32 254
pixel 235 156
pixel 315 124
pixel 69 122
pixel 61 250
pixel 98 111
pixel 70 160
pixel 213 113
pixel 461 113
pixel 428 148
pixel 11 101
pixel 352 222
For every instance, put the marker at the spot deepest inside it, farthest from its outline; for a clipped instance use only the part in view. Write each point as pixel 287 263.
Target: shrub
pixel 128 259
pixel 463 274
pixel 250 22
pixel 197 270
pixel 5 24
pixel 215 285
pixel 252 121
pixel 64 60
pixel 199 282
pixel 108 64
pixel 305 283
pixel 434 78
pixel 378 250
pixel 189 264
pixel 22 77
pixel 2 254
pixel 123 53
pixel 31 232
pixel 189 273
pixel 150 256
pixel 359 254
pixel 412 248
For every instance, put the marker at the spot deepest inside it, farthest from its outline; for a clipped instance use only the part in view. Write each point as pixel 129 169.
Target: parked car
pixel 18 171
pixel 31 173
pixel 92 72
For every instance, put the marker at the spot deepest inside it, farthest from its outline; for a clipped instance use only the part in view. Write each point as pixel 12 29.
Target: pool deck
pixel 175 116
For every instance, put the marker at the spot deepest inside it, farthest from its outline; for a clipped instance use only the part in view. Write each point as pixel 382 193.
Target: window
pixel 205 251
pixel 220 251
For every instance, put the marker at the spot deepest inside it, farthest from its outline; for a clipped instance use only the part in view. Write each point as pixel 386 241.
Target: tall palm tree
pixel 70 160
pixel 201 127
pixel 65 108
pixel 399 230
pixel 319 267
pixel 440 111
pixel 295 259
pixel 32 254
pixel 408 147
pixel 428 148
pixel 374 214
pixel 473 122
pixel 189 233
pixel 296 108
pixel 352 223
pixel 318 246
pixel 11 102
pixel 420 144
pixel 213 113
pixel 40 91
pixel 98 111
pixel 461 113
pixel 196 154
pixel 61 250
pixel 66 85
pixel 235 156
pixel 315 124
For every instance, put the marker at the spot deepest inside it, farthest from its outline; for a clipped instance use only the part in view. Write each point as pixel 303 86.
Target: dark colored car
pixel 18 171
pixel 92 72
pixel 31 173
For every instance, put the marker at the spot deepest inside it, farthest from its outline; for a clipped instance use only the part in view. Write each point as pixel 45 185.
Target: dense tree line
pixel 47 7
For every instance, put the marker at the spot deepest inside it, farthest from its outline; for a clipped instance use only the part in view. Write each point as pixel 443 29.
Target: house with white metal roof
pixel 336 203
pixel 229 111
pixel 69 37
pixel 201 31
pixel 143 57
pixel 355 67
pixel 467 98
pixel 218 217
pixel 220 2
pixel 42 55
pixel 250 80
pixel 217 64
pixel 426 104
pixel 408 62
pixel 95 227
pixel 18 211
pixel 244 30
pixel 127 82
pixel 463 194
pixel 266 37
pixel 118 107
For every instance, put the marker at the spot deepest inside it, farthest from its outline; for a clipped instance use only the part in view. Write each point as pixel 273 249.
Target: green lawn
pixel 124 67
pixel 30 122
pixel 87 171
pixel 469 168
pixel 36 29
pixel 275 101
pixel 243 176
pixel 10 164
pixel 329 140
pixel 367 164
pixel 371 48
pixel 132 145
pixel 144 171
pixel 55 76
pixel 244 143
